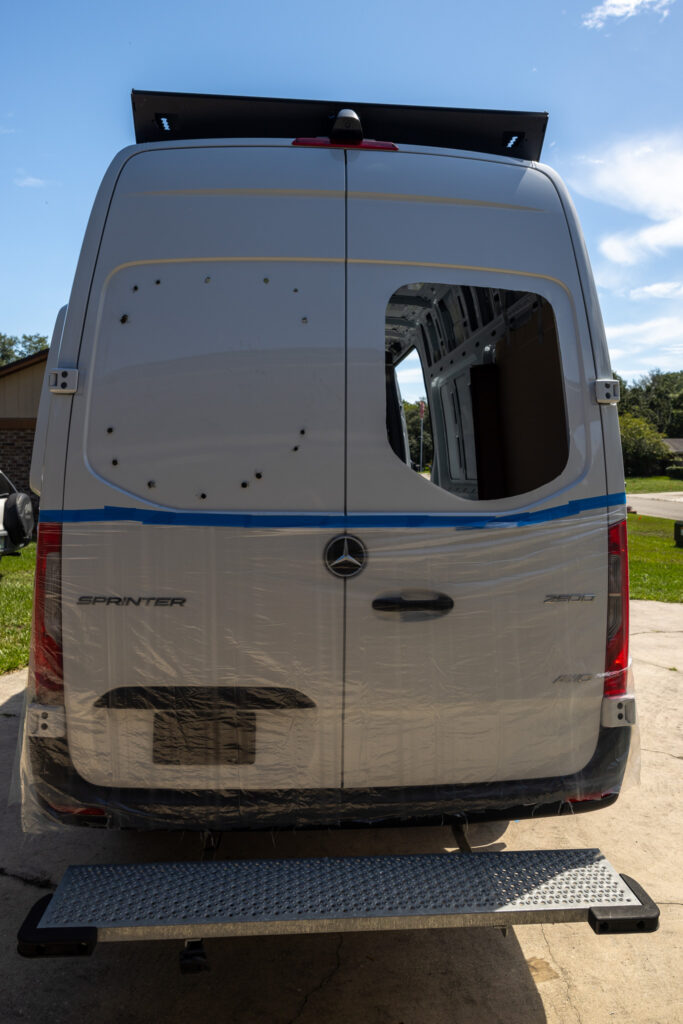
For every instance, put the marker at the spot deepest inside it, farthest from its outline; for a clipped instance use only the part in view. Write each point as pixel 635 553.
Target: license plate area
pixel 204 738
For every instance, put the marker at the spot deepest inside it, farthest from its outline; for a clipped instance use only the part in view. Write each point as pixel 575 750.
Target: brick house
pixel 20 387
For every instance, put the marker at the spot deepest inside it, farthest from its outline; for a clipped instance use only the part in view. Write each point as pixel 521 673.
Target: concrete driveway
pixel 564 974
pixel 667 505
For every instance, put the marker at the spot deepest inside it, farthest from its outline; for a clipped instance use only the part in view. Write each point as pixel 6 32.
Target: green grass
pixel 652 484
pixel 16 602
pixel 655 563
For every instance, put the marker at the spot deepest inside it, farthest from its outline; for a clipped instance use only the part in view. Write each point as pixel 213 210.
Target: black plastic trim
pixel 34 941
pixel 58 783
pixel 398 603
pixel 626 920
pixel 170 116
pixel 203 698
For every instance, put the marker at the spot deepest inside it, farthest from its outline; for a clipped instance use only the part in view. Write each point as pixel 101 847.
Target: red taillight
pixel 46 642
pixel 84 812
pixel 323 141
pixel 589 796
pixel 616 657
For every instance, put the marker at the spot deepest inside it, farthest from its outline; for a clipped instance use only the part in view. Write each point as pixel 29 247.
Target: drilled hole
pixel 207 280
pixel 114 462
pixel 135 287
pixel 151 483
pixel 304 319
pixel 202 496
pixel 157 282
pixel 245 483
pixel 266 280
pixel 295 289
pixel 110 430
pixel 124 318
pixel 302 431
pixel 295 448
pixel 258 475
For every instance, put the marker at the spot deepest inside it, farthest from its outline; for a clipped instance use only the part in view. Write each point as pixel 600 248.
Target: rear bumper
pixel 65 796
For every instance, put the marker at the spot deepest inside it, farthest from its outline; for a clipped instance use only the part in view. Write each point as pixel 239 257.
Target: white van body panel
pixel 257 630
pixel 614 464
pixel 227 322
pixel 40 438
pixel 245 243
pixel 477 685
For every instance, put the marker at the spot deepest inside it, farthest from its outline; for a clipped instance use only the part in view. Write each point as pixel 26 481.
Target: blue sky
pixel 609 74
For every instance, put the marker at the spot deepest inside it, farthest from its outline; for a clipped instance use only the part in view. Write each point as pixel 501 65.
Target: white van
pixel 251 610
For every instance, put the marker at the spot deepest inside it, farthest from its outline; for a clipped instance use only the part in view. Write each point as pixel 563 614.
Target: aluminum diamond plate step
pixel 192 900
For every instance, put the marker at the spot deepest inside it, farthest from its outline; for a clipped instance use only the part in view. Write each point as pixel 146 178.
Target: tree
pixel 7 349
pixel 412 413
pixel 676 421
pixel 645 454
pixel 656 397
pixel 12 348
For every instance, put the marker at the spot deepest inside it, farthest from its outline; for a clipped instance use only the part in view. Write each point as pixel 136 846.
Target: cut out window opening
pixel 488 362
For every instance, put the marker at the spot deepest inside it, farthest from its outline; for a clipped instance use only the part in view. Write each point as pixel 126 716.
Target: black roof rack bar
pixel 171 116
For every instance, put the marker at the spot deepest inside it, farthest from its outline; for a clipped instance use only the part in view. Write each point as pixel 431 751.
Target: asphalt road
pixel 563 974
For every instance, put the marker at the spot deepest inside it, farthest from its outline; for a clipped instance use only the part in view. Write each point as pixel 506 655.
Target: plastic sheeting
pixel 217 674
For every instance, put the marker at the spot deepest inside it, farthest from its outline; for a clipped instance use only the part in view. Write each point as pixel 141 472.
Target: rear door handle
pixel 398 603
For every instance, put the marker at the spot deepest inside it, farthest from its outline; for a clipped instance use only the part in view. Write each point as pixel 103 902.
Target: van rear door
pixel 476 632
pixel 202 631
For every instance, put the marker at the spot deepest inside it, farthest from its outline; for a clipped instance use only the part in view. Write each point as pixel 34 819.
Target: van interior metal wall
pixel 493 380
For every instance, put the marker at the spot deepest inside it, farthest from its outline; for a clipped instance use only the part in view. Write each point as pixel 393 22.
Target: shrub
pixel 645 454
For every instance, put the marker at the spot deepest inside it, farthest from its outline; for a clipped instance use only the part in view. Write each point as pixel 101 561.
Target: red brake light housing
pixel 323 141
pixel 616 656
pixel 46 639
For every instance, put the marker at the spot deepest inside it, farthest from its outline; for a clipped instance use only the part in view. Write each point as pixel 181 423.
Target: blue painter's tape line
pixel 330 520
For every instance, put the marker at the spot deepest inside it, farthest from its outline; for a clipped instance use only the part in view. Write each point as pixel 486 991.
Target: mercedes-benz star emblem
pixel 345 556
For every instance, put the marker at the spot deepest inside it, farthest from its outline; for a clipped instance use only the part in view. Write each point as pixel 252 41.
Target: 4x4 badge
pixel 345 555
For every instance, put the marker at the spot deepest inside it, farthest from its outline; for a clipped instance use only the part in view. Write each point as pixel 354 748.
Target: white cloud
pixel 412 375
pixel 638 348
pixel 634 247
pixel 658 331
pixel 659 290
pixel 623 9
pixel 7 131
pixel 656 342
pixel 642 176
pixel 29 182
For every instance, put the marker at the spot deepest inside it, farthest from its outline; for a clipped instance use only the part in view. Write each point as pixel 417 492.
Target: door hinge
pixel 62 381
pixel 607 392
